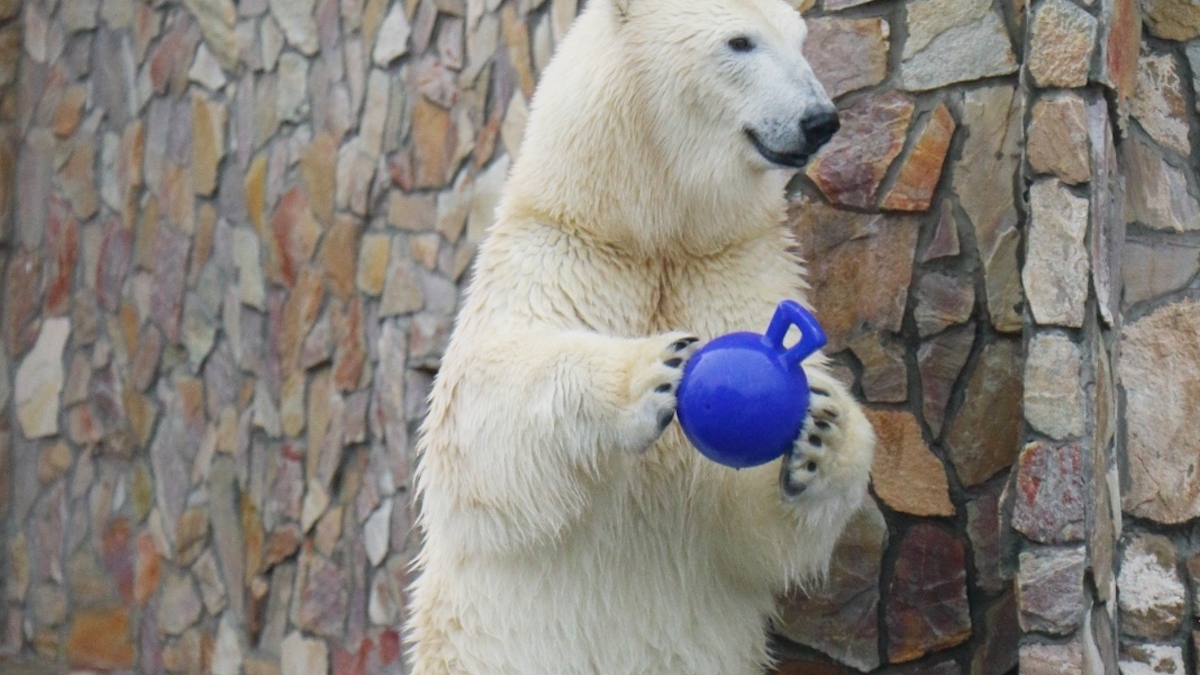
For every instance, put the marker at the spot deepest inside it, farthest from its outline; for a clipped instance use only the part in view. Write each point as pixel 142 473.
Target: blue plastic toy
pixel 743 396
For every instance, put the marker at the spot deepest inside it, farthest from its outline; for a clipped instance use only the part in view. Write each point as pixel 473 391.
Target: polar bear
pixel 569 527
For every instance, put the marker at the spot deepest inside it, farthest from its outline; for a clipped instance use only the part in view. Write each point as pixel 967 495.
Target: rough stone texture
pixel 1062 39
pixel 885 375
pixel 927 605
pixel 847 54
pixel 985 530
pixel 1151 268
pixel 921 169
pixel 1054 397
pixel 1160 362
pixel 954 41
pixel 849 169
pixel 39 380
pixel 983 437
pixel 1050 592
pixel 839 245
pixel 1058 140
pixel 1157 193
pixel 990 154
pixel 1051 659
pixel 905 474
pixel 1051 493
pixel 940 360
pixel 1152 596
pixel 1152 659
pixel 1172 19
pixel 841 617
pixel 1159 103
pixel 943 300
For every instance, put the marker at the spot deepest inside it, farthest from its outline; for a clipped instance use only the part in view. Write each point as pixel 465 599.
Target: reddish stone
pixel 324 597
pixel 884 373
pixel 943 300
pixel 927 610
pixel 984 530
pixel 1051 597
pixel 115 256
pixel 849 169
pixel 22 297
pixel 860 266
pixel 847 54
pixel 100 639
pixel 62 251
pixel 351 352
pixel 922 169
pixel 1121 47
pixel 945 236
pixel 148 570
pixel 117 554
pixel 389 646
pixel 281 545
pixel 295 233
pixel 1050 493
pixel 346 662
pixel 402 170
pixel 145 360
pixel 286 488
pixel 170 60
pixel 299 314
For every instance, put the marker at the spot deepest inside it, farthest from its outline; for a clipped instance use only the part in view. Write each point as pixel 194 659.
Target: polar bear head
pixel 736 66
pixel 671 124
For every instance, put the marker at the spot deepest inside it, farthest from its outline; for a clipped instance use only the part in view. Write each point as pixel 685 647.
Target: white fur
pixel 563 535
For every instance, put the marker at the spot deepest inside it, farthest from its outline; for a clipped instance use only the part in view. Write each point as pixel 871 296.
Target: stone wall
pixel 233 237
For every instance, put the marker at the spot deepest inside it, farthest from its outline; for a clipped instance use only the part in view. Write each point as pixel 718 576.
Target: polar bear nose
pixel 818 128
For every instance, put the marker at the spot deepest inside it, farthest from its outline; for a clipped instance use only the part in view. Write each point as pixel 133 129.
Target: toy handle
pixel 789 313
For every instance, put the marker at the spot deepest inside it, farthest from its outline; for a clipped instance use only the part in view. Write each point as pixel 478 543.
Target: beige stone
pixel 1060 49
pixel 1159 102
pixel 1172 19
pixel 373 262
pixel 208 143
pixel 906 475
pixel 1159 368
pixel 1058 138
pixel 40 380
pixel 1056 270
pixel 1150 268
pixel 1054 401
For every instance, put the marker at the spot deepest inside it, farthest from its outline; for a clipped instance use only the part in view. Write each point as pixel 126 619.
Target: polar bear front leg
pixel 833 452
pixel 652 383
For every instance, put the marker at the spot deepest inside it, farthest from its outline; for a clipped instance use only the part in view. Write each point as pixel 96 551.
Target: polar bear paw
pixel 808 466
pixel 657 370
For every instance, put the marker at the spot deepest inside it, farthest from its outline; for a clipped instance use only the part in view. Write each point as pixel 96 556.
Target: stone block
pixel 1051 597
pixel 1152 597
pixel 1060 46
pixel 1054 399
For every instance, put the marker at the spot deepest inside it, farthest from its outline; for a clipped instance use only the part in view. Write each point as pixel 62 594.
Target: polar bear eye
pixel 741 43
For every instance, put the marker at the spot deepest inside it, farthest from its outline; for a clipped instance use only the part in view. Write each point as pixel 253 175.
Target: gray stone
pixel 1060 49
pixel 1054 400
pixel 303 656
pixel 1056 272
pixel 1050 590
pixel 984 435
pixel 954 41
pixel 296 18
pixel 179 604
pixel 983 183
pixel 1159 103
pixel 940 360
pixel 392 42
pixel 291 102
pixel 1152 267
pixel 1163 429
pixel 1151 595
pixel 1193 57
pixel 1156 192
